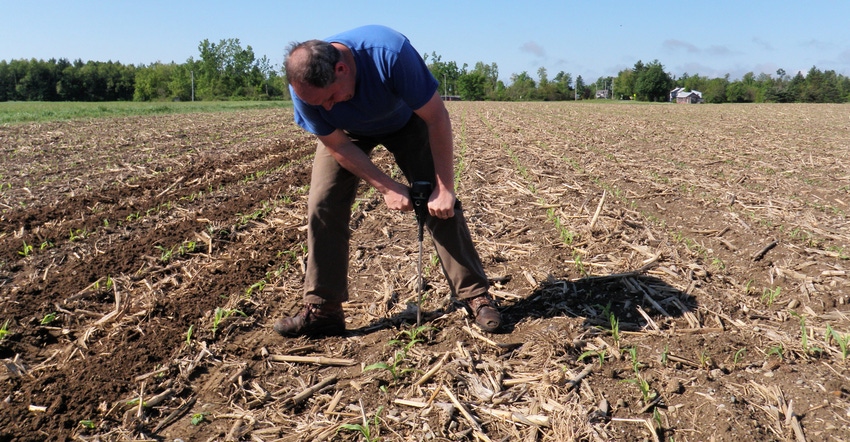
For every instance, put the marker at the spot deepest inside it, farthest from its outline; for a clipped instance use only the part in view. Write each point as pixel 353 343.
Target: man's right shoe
pixel 483 308
pixel 313 320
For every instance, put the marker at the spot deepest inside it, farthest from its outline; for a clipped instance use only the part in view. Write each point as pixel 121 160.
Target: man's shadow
pixel 630 301
pixel 633 299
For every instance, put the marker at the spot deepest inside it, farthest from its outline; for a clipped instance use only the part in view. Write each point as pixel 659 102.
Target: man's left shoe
pixel 483 309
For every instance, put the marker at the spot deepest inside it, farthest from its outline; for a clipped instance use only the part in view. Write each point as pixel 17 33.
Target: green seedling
pixel 189 334
pixel 135 401
pixel 48 318
pixel 777 350
pixel 665 355
pixel 46 245
pixel 804 335
pixel 407 339
pixel 394 367
pixel 840 339
pixel 165 254
pixel 739 355
pixel 768 296
pixel 369 431
pixel 198 418
pixel 580 264
pixel 257 286
pixel 647 394
pixel 704 359
pixel 108 285
pixel 221 314
pixel 4 330
pixel 26 251
pixel 87 424
pixel 77 234
pixel 614 323
pixel 600 354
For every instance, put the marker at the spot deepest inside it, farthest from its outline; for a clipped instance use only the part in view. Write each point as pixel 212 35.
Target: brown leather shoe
pixel 313 320
pixel 483 309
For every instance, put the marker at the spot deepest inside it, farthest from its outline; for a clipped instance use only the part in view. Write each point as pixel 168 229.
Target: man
pixel 358 89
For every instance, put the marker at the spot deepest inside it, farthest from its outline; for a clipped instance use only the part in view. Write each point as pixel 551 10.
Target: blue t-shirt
pixel 392 81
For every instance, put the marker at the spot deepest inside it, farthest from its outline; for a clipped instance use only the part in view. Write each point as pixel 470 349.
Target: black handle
pixel 419 193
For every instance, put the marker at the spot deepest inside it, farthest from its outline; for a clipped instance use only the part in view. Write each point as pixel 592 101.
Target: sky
pixel 584 38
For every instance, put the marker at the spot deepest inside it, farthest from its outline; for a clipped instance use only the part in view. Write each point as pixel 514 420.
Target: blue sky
pixel 589 38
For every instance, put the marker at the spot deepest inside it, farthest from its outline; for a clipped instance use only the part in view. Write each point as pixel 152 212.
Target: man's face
pixel 326 97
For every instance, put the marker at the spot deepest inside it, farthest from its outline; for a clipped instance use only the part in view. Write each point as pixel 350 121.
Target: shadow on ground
pixel 628 301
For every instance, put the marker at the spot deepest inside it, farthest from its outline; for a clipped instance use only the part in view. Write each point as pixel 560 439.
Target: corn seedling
pixel 26 251
pixel 739 355
pixel 46 244
pixel 221 314
pixel 77 234
pixel 705 359
pixel 647 394
pixel 412 337
pixel 804 336
pixel 4 330
pixel 407 339
pixel 367 428
pixel 665 355
pixel 582 270
pixel 87 424
pixel 257 286
pixel 165 254
pixel 777 350
pixel 48 318
pixel 768 296
pixel 840 339
pixel 614 325
pixel 198 418
pixel 600 354
pixel 189 334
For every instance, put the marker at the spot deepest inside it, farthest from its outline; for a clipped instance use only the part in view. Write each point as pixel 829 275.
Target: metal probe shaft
pixel 419 193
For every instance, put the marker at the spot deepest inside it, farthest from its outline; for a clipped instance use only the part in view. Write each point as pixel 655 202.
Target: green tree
pixel 522 87
pixel 472 86
pixel 624 85
pixel 715 90
pixel 653 84
pixel 152 82
pixel 563 85
pixel 446 73
pixel 581 89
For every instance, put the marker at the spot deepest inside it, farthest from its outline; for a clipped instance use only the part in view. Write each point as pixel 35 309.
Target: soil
pixel 665 272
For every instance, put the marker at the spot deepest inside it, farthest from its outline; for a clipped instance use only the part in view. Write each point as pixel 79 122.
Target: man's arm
pixel 349 156
pixel 442 201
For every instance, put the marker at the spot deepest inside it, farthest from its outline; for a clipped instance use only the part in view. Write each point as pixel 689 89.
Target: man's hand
pixel 397 197
pixel 441 204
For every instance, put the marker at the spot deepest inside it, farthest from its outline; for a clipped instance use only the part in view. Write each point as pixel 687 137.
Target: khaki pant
pixel 332 192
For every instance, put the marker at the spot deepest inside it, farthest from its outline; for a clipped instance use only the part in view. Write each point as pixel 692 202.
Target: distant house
pixel 450 97
pixel 675 92
pixel 679 95
pixel 602 93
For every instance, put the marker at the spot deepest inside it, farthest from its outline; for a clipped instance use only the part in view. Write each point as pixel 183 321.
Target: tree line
pixel 227 71
pixel 224 70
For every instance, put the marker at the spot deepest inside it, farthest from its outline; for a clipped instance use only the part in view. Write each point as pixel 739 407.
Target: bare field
pixel 665 272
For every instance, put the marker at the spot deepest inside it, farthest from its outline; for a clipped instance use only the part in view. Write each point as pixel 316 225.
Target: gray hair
pixel 314 63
